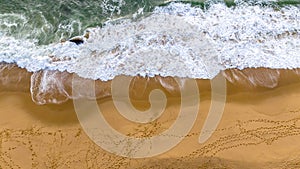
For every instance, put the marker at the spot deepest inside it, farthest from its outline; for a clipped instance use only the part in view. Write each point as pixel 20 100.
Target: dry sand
pixel 260 128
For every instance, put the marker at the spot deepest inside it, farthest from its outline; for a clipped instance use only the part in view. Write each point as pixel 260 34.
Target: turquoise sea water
pixel 48 22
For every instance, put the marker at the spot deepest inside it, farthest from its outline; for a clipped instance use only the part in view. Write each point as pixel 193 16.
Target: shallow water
pixel 235 64
pixel 199 41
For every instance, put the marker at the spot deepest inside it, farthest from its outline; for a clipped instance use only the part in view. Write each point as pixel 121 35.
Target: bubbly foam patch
pixel 175 40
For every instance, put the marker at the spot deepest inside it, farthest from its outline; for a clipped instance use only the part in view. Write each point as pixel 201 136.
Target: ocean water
pixel 100 40
pixel 251 121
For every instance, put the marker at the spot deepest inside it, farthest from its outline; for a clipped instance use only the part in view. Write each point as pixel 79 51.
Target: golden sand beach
pixel 260 127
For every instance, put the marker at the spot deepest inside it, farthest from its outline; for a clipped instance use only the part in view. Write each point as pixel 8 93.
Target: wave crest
pixel 200 43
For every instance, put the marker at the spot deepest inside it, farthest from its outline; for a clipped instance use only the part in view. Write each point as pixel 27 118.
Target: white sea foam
pixel 175 40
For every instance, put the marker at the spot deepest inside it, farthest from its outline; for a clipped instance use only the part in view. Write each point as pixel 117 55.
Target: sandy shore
pixel 260 128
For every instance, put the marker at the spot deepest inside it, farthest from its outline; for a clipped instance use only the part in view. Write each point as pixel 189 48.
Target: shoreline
pixel 54 87
pixel 259 128
pixel 196 110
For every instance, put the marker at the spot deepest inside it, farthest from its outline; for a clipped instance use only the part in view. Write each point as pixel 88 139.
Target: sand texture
pixel 260 128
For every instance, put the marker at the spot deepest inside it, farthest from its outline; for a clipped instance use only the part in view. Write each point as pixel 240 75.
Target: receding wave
pixel 175 40
pixel 55 87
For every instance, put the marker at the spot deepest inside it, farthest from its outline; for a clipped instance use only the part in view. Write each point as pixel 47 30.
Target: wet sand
pixel 260 128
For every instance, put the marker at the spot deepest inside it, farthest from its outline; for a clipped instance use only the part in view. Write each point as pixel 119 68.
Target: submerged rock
pixel 77 40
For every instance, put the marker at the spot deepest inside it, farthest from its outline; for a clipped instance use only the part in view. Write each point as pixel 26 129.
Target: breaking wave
pixel 174 40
